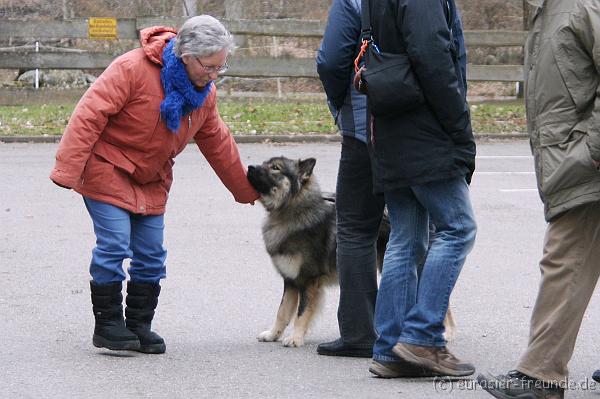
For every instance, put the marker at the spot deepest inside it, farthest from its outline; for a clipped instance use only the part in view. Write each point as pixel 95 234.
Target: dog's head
pixel 279 180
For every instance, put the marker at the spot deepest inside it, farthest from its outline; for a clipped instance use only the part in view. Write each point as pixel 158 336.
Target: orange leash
pixel 361 53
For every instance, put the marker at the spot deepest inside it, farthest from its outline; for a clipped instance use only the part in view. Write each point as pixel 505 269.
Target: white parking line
pixel 508 173
pixel 519 190
pixel 503 173
pixel 503 156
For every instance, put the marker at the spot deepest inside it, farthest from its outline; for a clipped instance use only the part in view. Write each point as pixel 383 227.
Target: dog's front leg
pixel 287 307
pixel 310 301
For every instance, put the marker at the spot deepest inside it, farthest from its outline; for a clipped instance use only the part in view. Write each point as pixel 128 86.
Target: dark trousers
pixel 359 214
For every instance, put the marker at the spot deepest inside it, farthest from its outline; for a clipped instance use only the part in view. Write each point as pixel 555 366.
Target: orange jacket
pixel 116 148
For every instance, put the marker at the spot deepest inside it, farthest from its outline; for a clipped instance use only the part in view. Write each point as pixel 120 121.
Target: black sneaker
pixel 596 376
pixel 515 384
pixel 338 348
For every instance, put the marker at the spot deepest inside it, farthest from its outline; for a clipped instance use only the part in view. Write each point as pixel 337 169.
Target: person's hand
pixel 359 84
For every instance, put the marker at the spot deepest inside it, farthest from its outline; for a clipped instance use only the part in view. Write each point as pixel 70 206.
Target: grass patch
pixel 257 117
pixel 277 118
pixel 34 120
pixel 499 117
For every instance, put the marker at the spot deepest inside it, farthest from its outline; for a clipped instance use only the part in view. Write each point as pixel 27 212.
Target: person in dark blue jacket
pixel 359 210
pixel 423 160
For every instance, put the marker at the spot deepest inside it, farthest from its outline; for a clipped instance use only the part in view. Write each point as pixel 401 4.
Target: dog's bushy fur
pixel 300 236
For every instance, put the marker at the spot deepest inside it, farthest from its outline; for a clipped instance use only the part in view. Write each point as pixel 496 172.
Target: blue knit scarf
pixel 181 96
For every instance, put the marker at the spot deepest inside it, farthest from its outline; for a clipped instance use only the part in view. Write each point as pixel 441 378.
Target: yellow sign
pixel 102 28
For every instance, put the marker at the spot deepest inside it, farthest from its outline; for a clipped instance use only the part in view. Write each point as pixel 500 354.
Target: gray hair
pixel 202 36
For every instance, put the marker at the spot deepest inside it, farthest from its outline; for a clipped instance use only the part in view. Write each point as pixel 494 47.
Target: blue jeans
pixel 121 234
pixel 358 216
pixel 411 309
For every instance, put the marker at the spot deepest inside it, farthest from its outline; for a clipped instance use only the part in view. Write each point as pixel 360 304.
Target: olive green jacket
pixel 562 64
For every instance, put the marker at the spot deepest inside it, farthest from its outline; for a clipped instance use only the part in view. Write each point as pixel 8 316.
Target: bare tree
pixel 150 8
pixel 67 9
pixel 190 8
pixel 235 10
pixel 526 15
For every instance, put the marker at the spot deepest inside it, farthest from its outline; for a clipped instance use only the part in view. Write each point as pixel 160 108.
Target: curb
pixel 497 136
pixel 248 138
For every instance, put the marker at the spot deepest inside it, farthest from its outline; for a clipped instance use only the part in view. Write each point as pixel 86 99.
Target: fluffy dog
pixel 299 235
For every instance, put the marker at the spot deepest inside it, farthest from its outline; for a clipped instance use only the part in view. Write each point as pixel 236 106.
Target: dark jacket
pixel 433 141
pixel 335 65
pixel 563 107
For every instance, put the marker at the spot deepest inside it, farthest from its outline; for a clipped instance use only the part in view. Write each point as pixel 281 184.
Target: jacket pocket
pixel 98 174
pixel 576 69
pixel 113 155
pixel 565 164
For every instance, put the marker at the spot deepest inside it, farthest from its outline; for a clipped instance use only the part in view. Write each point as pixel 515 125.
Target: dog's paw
pixel 293 342
pixel 267 336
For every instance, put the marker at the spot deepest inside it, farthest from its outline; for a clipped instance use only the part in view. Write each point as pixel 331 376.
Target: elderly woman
pixel 117 152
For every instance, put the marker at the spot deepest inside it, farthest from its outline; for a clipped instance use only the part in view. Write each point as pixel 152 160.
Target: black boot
pixel 110 331
pixel 141 301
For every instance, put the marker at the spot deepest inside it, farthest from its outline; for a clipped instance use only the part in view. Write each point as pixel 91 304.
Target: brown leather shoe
pixel 436 359
pixel 399 369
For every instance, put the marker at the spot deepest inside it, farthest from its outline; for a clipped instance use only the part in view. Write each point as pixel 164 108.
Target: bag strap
pixel 366 30
pixel 365 20
pixel 366 37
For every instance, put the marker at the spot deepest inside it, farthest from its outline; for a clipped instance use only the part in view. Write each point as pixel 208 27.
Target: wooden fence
pixel 28 58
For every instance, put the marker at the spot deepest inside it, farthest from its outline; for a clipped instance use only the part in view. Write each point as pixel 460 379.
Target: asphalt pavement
pixel 221 291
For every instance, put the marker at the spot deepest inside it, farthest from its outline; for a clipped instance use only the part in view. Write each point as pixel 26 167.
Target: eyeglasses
pixel 212 69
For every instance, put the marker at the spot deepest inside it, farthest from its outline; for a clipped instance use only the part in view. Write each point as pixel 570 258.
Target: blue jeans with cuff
pixel 121 234
pixel 411 309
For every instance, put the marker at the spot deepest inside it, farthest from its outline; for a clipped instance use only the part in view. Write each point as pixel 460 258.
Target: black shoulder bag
pixel 387 78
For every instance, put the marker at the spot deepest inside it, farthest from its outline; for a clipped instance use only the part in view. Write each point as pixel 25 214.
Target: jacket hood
pixel 154 39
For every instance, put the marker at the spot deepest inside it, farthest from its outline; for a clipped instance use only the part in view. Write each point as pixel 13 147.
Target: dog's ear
pixel 306 167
